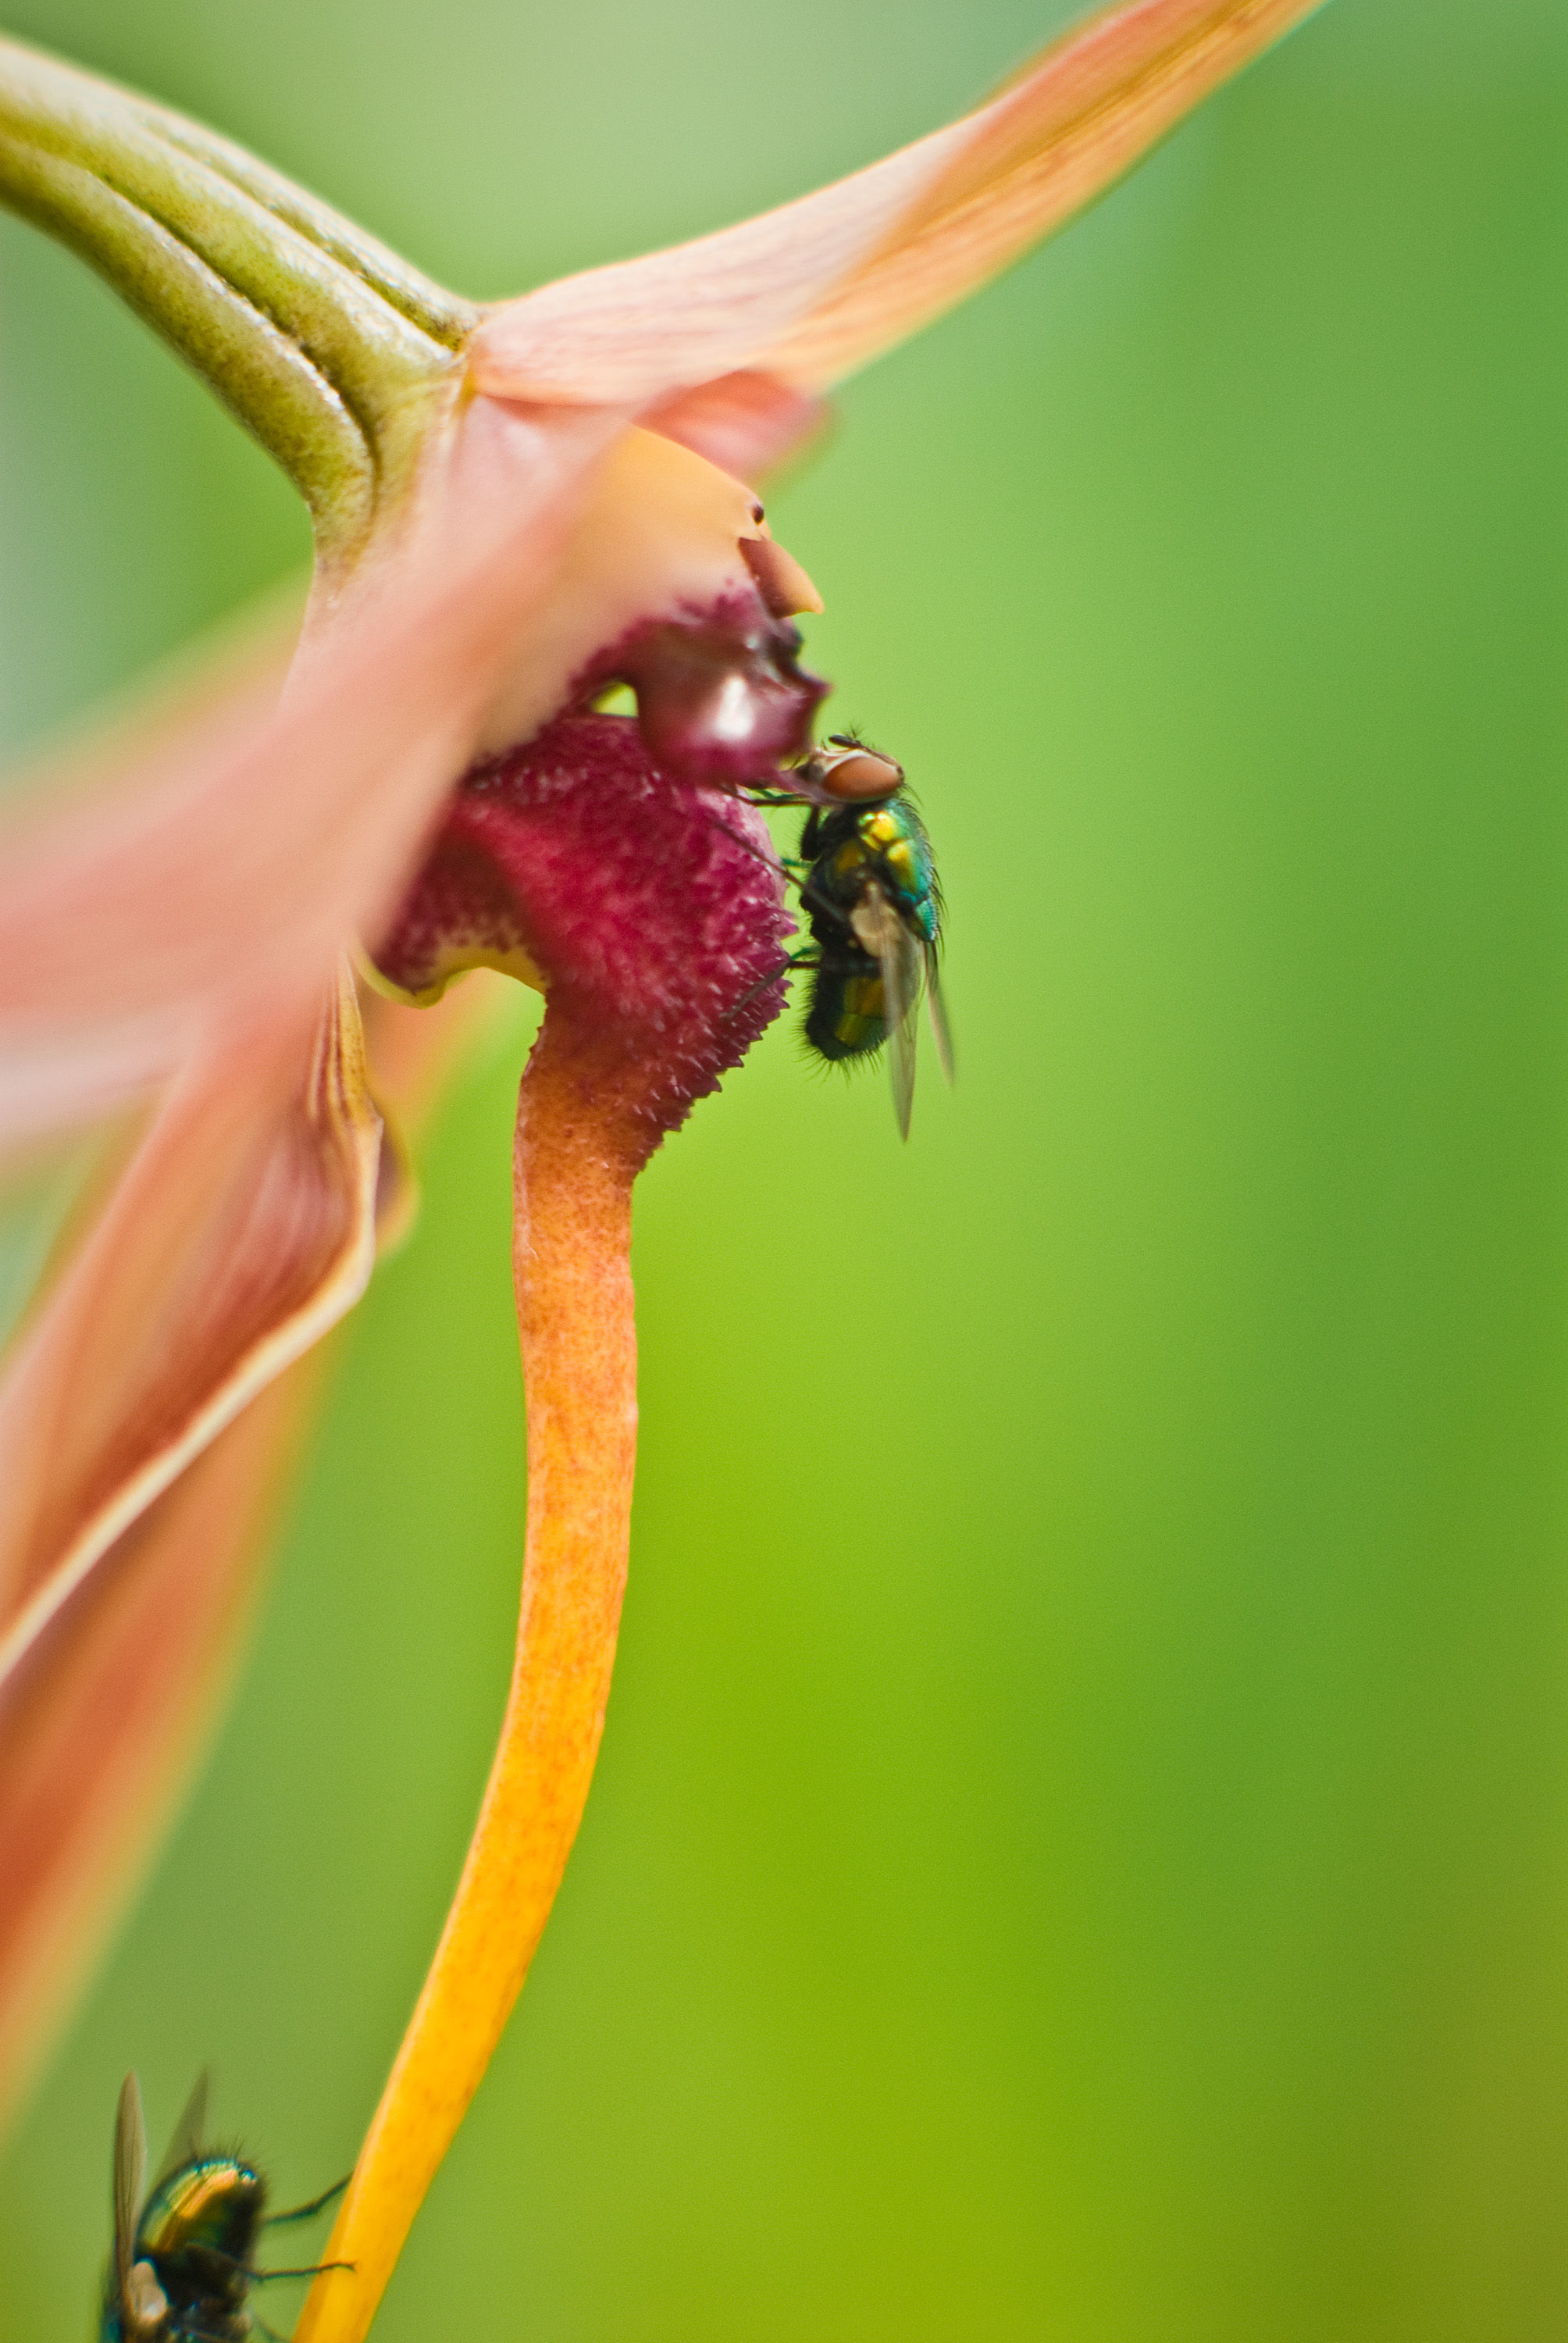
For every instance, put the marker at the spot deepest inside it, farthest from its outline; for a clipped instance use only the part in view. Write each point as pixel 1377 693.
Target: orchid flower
pixel 228 941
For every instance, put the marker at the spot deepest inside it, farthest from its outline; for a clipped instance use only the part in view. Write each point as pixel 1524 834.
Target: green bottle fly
pixel 182 2269
pixel 874 907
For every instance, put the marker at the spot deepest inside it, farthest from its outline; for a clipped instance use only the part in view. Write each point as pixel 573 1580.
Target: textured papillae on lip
pixel 649 908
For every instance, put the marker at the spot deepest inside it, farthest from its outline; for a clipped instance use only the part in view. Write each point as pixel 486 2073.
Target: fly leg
pixel 786 865
pixel 263 2276
pixel 304 2212
pixel 790 961
pixel 311 2269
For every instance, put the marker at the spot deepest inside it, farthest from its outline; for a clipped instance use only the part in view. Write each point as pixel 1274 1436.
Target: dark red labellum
pixel 720 698
pixel 651 907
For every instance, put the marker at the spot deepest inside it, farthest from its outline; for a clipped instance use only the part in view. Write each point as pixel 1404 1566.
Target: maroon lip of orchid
pixel 720 695
pixel 720 698
pixel 649 907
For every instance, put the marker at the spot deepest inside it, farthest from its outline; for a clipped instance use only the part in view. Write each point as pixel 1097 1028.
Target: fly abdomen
pixel 848 1015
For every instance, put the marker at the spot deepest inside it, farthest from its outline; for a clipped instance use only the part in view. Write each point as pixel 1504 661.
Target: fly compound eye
pixel 856 774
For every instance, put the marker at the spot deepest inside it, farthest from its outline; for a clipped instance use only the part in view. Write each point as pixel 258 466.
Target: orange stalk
pixel 579 1145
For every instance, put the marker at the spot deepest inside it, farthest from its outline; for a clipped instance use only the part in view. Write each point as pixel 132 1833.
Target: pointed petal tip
pixel 817 288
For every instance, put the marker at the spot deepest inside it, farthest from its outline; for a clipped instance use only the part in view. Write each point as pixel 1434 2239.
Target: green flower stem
pixel 327 347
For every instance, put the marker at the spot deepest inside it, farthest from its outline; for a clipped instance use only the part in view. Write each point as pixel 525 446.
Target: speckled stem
pixel 326 346
pixel 579 1147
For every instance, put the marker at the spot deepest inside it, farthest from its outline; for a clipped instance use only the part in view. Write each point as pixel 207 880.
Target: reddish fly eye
pixel 857 774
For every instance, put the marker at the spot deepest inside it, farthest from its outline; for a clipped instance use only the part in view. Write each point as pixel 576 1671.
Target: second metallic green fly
pixel 182 2263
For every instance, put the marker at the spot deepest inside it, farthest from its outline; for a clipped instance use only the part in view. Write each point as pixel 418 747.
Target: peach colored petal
pixel 639 330
pixel 212 878
pixel 659 533
pixel 244 1228
pixel 1057 137
pixel 217 877
pixel 101 1720
pixel 745 423
pixel 102 1716
pixel 813 290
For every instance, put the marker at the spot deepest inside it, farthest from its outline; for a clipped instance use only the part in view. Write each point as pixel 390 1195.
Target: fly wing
pixel 185 2145
pixel 899 957
pixel 130 2178
pixel 941 1032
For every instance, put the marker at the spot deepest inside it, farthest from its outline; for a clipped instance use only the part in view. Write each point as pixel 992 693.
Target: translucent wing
pixel 130 2178
pixel 941 1032
pixel 190 2132
pixel 899 957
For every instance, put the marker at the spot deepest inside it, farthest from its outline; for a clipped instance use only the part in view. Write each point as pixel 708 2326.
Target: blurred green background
pixel 1081 1845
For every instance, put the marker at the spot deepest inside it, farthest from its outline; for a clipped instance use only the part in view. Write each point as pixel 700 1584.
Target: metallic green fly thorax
pixel 855 848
